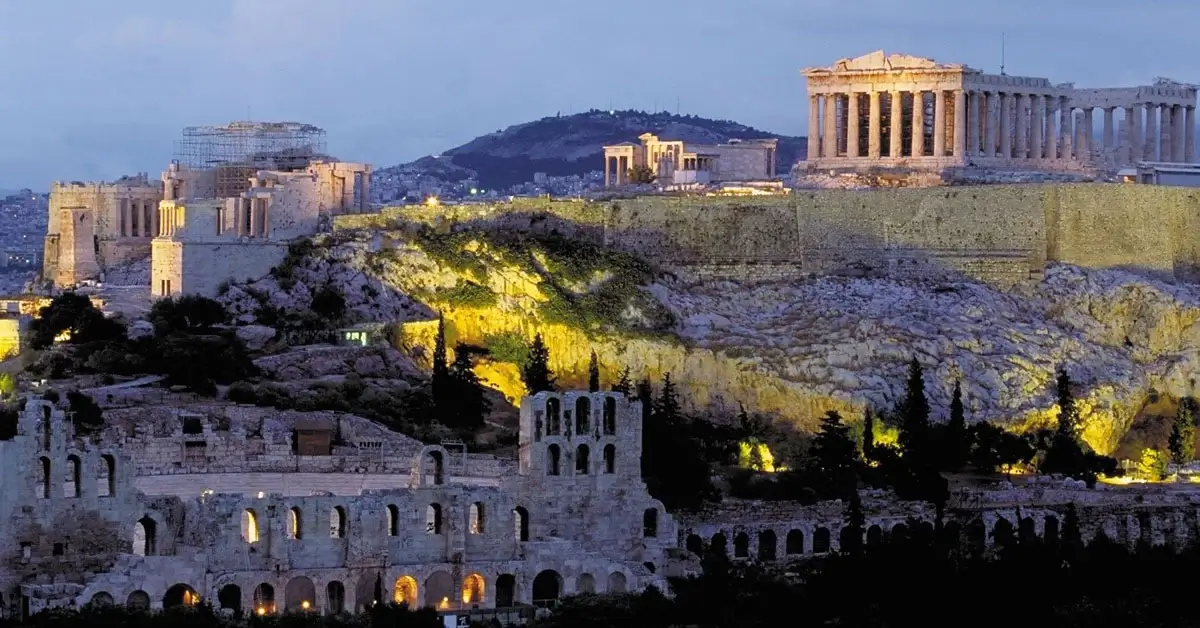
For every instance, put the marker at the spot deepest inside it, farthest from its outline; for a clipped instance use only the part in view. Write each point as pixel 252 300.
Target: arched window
pixel 473 589
pixel 433 519
pixel 435 468
pixel 144 537
pixel 795 542
pixel 393 520
pixel 106 481
pixel 404 592
pixel 71 483
pixel 138 601
pixel 582 461
pixel 553 459
pixel 335 598
pixel 610 459
pixel 585 584
pixel 766 545
pixel 476 516
pixel 610 416
pixel 230 597
pixel 249 526
pixel 337 523
pixel 718 543
pixel 583 415
pixel 295 524
pixel 553 416
pixel 1002 532
pixel 617 582
pixel 506 590
pixel 741 545
pixel 874 535
pixel 821 540
pixel 264 599
pixel 43 478
pixel 521 523
pixel 650 523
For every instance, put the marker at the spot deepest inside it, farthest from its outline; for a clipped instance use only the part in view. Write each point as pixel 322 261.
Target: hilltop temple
pixel 882 110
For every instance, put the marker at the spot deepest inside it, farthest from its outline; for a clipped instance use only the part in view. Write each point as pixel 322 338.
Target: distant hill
pixel 572 144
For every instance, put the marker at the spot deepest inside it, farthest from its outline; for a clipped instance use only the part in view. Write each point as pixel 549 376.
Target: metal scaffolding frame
pixel 238 149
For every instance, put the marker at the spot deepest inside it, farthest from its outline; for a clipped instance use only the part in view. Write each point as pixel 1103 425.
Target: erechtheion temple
pixel 904 111
pixel 674 163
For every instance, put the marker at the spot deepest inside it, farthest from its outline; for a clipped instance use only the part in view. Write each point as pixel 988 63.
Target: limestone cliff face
pixel 798 349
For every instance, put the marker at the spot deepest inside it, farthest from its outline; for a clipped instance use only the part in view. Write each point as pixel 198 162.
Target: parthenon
pixel 861 114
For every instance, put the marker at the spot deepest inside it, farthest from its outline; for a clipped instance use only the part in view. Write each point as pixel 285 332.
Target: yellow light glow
pixel 262 610
pixel 756 456
pixel 190 598
pixel 305 605
pixel 432 201
pixel 444 604
pixel 466 597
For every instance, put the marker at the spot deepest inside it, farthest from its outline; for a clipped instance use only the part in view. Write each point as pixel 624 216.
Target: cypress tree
pixel 645 394
pixel 1068 414
pixel 593 374
pixel 536 373
pixel 471 405
pixel 833 454
pixel 914 414
pixel 852 534
pixel 956 431
pixel 1182 442
pixel 668 409
pixel 868 439
pixel 440 385
pixel 1072 538
pixel 623 384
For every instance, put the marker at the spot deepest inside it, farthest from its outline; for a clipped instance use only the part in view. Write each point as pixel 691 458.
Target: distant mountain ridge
pixel 573 145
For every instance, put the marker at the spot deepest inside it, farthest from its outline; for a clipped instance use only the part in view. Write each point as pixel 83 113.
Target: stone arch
pixel 718 543
pixel 874 535
pixel 138 601
pixel 44 489
pixel 106 479
pixel 473 590
pixel 405 591
pixel 766 545
pixel 1050 530
pixel 368 590
pixel 433 519
pixel 924 533
pixel 429 467
pixel 1002 532
pixel 585 584
pixel 822 540
pixel 976 533
pixel 506 591
pixel 338 522
pixel 553 459
pixel 393 520
pixel 610 458
pixel 145 537
pixel 695 544
pixel 617 582
pixel 439 590
pixel 650 523
pixel 521 523
pixel 741 545
pixel 180 595
pixel 335 598
pixel 477 518
pixel 230 597
pixel 295 523
pixel 794 542
pixel 72 483
pixel 103 598
pixel 583 415
pixel 899 533
pixel 846 536
pixel 582 460
pixel 264 599
pixel 610 415
pixel 547 588
pixel 553 416
pixel 1026 530
pixel 299 594
pixel 249 526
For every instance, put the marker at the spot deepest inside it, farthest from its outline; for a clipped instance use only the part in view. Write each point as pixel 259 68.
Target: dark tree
pixel 1068 454
pixel 641 174
pixel 833 455
pixel 1182 441
pixel 186 313
pixel 667 407
pixel 329 303
pixel 856 521
pixel 536 373
pixel 86 415
pixel 593 374
pixel 914 414
pixel 996 448
pixel 1068 414
pixel 1072 538
pixel 957 444
pixel 74 315
pixel 623 384
pixel 470 404
pixel 645 394
pixel 868 439
pixel 441 388
pixel 673 451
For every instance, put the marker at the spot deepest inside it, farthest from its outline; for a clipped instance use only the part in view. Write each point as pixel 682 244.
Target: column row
pixel 888 124
pixel 137 218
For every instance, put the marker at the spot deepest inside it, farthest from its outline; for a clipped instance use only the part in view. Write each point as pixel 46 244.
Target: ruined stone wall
pixel 92 226
pixel 998 233
pixel 200 268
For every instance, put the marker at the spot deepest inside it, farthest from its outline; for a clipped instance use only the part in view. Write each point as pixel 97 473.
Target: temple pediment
pixel 881 61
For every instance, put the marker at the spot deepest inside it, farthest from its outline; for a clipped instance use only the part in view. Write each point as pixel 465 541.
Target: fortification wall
pixel 997 233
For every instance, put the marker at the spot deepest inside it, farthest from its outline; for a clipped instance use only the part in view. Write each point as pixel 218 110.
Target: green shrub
pixel 467 294
pixel 507 347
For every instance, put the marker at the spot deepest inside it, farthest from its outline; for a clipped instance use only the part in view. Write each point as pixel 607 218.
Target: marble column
pixel 1037 124
pixel 874 137
pixel 1178 140
pixel 896 145
pixel 1067 130
pixel 852 120
pixel 1052 127
pixel 973 123
pixel 1165 124
pixel 960 126
pixel 1089 127
pixel 939 123
pixel 1006 112
pixel 1108 130
pixel 993 121
pixel 1022 127
pixel 1129 150
pixel 1138 133
pixel 829 139
pixel 918 123
pixel 1189 135
pixel 1150 132
pixel 814 130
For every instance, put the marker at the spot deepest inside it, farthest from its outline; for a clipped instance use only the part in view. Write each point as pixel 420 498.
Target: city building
pixel 674 163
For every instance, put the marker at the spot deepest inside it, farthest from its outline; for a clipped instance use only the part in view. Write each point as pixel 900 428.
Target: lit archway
pixel 405 591
pixel 299 595
pixel 473 590
pixel 439 590
pixel 180 595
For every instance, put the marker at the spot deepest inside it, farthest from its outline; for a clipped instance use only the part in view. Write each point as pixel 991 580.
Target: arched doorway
pixel 1002 533
pixel 521 523
pixel 695 544
pixel 101 599
pixel 230 597
pixel 405 591
pixel 264 599
pixel 138 601
pixel 547 587
pixel 180 595
pixel 718 543
pixel 299 595
pixel 506 591
pixel 1050 530
pixel 766 545
pixel 144 537
pixel 617 582
pixel 874 536
pixel 473 590
pixel 335 598
pixel 586 583
pixel 439 590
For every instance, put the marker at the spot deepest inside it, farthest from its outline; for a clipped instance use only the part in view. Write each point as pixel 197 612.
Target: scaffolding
pixel 239 149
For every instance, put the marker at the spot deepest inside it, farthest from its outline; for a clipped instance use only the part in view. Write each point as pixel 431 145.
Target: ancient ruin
pixel 881 110
pixel 674 163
